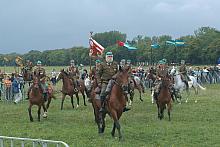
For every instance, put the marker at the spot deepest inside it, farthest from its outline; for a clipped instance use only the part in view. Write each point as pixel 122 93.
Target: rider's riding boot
pixel 102 104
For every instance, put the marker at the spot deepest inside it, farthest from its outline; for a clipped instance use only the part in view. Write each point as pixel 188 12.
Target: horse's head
pixel 122 78
pixel 61 75
pixel 36 83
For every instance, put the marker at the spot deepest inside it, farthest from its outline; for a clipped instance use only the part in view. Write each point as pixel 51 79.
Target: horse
pixel 180 86
pixel 164 98
pixel 50 96
pixel 116 101
pixel 68 88
pixel 36 98
pixel 135 83
pixel 91 85
pixel 27 76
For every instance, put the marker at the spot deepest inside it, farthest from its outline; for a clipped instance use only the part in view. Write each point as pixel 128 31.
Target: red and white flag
pixel 95 48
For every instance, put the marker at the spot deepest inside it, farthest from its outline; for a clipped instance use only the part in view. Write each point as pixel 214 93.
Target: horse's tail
pixel 203 88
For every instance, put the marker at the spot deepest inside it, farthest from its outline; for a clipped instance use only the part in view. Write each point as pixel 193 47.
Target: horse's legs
pixel 131 97
pixel 72 101
pixel 113 129
pixel 117 124
pixel 140 94
pixel 45 110
pixel 29 110
pixel 38 112
pixel 77 97
pixel 84 98
pixel 158 108
pixel 63 98
pixel 49 100
pixel 169 109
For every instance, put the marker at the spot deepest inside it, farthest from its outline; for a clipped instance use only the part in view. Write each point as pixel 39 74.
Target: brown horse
pixel 116 101
pixel 50 95
pixel 164 98
pixel 36 98
pixel 68 88
pixel 96 103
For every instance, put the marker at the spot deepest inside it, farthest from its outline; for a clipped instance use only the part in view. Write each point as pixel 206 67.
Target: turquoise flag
pixel 180 43
pixel 176 42
pixel 171 42
pixel 155 45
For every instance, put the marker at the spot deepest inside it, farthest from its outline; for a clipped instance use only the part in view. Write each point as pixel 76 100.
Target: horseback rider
pixel 94 70
pixel 183 73
pixel 93 75
pixel 28 66
pixel 73 72
pixel 161 71
pixel 40 73
pixel 107 71
pixel 123 63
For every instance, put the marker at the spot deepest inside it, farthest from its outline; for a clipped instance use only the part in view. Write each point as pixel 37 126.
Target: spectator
pixel 7 83
pixel 16 91
pixel 53 77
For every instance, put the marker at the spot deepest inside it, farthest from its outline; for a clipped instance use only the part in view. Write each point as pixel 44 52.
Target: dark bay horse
pixel 116 101
pixel 68 88
pixel 36 98
pixel 96 103
pixel 164 98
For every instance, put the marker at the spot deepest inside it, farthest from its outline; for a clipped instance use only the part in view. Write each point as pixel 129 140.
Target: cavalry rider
pixel 107 71
pixel 73 72
pixel 94 70
pixel 40 73
pixel 93 75
pixel 123 63
pixel 183 73
pixel 161 71
pixel 29 66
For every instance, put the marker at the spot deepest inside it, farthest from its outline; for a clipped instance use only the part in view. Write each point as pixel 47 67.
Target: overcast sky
pixel 51 24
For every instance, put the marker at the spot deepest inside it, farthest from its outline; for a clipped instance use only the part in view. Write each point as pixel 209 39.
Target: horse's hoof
pixel 31 120
pixel 85 105
pixel 77 106
pixel 195 101
pixel 45 115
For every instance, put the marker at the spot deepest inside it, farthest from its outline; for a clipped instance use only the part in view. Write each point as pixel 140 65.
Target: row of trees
pixel 203 47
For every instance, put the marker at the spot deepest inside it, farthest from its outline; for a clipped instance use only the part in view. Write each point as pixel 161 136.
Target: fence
pixel 27 142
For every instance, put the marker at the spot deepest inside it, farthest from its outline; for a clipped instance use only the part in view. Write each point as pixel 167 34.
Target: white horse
pixel 180 86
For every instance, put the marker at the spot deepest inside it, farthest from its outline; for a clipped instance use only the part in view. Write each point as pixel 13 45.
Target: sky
pixel 52 24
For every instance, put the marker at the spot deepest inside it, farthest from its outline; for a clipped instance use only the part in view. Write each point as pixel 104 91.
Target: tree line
pixel 203 47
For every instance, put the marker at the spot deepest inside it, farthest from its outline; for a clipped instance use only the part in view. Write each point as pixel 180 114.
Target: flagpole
pixel 90 61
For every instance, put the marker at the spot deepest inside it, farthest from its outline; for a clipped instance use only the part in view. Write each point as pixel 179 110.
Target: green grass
pixel 192 124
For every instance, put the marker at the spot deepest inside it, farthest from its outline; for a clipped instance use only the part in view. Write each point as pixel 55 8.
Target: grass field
pixel 192 124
